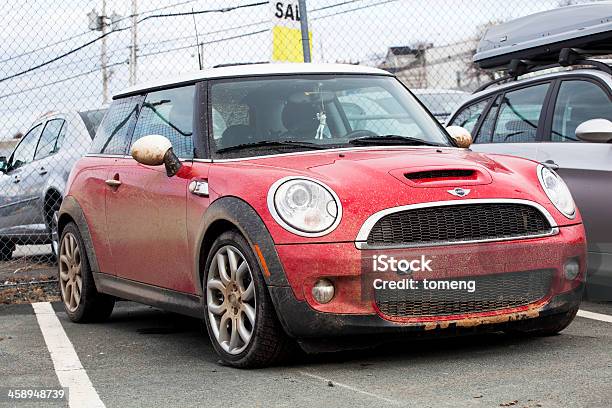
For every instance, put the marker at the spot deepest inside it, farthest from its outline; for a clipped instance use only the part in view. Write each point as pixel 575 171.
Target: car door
pixel 46 164
pixel 146 213
pixel 513 122
pixel 18 214
pixel 586 168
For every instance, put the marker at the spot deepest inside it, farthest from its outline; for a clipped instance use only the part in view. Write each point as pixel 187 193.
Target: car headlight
pixel 304 206
pixel 557 191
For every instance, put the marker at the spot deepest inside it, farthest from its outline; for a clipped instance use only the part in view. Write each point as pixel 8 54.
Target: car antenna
pixel 198 48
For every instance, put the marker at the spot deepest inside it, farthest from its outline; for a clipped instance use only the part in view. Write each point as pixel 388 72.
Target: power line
pixel 123 62
pixel 356 9
pixel 208 42
pixel 256 23
pixel 59 81
pixel 205 43
pixel 44 47
pixel 87 44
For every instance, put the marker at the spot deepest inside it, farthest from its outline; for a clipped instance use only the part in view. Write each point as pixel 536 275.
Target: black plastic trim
pixel 303 322
pixel 71 208
pixel 239 213
pixel 155 296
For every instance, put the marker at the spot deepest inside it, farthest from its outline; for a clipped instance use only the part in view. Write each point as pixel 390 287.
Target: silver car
pixel 543 118
pixel 440 102
pixel 33 177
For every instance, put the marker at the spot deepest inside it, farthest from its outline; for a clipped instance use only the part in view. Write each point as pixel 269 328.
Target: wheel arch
pixel 234 213
pixel 57 196
pixel 71 211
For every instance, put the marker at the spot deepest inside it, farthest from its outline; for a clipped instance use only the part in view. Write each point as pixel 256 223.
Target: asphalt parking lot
pixel 146 357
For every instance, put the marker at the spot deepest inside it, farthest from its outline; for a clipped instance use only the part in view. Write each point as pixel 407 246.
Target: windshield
pixel 313 111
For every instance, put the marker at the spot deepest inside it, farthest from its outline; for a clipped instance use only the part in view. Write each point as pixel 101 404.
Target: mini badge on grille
pixel 459 192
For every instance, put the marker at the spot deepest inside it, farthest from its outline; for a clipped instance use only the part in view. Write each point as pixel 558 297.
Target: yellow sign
pixel 286 32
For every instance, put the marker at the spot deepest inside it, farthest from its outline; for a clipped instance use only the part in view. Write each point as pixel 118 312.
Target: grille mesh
pixel 493 292
pixel 456 223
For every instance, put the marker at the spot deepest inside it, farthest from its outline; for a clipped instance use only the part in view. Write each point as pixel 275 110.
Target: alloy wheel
pixel 231 299
pixel 70 270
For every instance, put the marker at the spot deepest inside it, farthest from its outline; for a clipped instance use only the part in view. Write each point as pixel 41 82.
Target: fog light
pixel 571 269
pixel 323 291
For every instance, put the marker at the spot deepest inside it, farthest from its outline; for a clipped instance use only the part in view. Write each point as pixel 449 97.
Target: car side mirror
pixel 595 131
pixel 3 164
pixel 155 150
pixel 461 136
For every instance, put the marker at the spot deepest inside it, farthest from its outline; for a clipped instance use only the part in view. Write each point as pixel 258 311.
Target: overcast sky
pixel 35 31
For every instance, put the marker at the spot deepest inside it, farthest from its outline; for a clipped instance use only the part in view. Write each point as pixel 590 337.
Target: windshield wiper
pixel 273 143
pixel 391 140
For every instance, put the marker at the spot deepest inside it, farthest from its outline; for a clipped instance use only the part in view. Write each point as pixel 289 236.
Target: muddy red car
pixel 312 205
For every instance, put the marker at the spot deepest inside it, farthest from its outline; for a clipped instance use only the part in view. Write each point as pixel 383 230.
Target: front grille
pixel 447 173
pixel 457 223
pixel 493 292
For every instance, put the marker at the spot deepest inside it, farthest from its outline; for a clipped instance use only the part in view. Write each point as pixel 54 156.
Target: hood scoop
pixel 439 176
pixel 442 174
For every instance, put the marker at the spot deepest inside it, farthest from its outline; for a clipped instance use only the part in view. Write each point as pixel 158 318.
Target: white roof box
pixel 540 37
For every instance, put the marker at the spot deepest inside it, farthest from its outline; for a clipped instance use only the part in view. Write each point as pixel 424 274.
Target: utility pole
pixel 102 23
pixel 103 61
pixel 134 46
pixel 304 29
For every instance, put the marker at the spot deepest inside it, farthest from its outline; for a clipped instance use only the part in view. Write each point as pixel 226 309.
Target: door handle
pixel 42 171
pixel 551 164
pixel 17 179
pixel 199 188
pixel 113 183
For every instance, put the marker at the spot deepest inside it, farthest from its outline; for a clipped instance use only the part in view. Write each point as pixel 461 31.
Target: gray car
pixel 543 118
pixel 33 177
pixel 440 102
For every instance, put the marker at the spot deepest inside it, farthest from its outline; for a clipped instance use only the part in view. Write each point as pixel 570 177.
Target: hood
pixel 368 180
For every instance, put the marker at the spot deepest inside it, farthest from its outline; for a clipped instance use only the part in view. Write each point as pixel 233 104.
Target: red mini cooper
pixel 312 205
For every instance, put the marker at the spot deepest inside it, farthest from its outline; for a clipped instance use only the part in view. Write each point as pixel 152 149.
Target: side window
pixel 578 101
pixel 113 135
pixel 519 113
pixel 92 119
pixel 469 116
pixel 48 138
pixel 486 128
pixel 24 152
pixel 169 113
pixel 231 116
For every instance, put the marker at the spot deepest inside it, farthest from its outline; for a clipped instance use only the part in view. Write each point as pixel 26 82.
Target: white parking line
pixel 595 316
pixel 348 387
pixel 68 368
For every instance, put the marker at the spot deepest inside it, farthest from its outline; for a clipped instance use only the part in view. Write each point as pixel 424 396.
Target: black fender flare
pixel 71 210
pixel 245 219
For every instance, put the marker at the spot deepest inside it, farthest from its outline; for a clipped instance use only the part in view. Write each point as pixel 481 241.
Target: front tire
pixel 82 302
pixel 239 315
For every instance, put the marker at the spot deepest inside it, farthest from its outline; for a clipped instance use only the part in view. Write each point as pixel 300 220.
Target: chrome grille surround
pixel 366 228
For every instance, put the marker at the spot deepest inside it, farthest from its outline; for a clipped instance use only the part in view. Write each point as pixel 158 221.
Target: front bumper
pixel 303 322
pixel 354 312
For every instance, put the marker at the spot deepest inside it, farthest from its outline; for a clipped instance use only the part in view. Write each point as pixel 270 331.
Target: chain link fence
pixel 61 62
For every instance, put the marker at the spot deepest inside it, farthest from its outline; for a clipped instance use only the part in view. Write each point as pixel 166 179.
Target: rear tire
pixel 82 302
pixel 238 307
pixel 6 250
pixel 547 326
pixel 52 219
